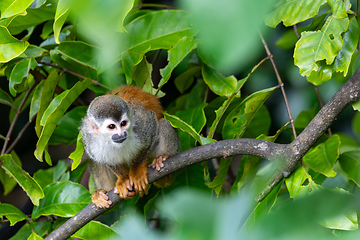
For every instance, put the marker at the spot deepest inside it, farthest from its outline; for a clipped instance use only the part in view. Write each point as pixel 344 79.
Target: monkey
pixel 121 132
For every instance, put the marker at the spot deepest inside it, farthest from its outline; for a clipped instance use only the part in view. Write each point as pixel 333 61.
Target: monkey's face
pixel 108 119
pixel 111 131
pixel 117 131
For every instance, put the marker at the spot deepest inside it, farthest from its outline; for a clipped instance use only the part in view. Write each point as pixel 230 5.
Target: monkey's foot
pixel 158 162
pixel 124 189
pixel 100 199
pixel 139 181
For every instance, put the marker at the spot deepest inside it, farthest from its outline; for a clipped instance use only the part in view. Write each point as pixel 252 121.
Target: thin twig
pixel 296 32
pixel 281 84
pixel 154 5
pixel 20 134
pixel 73 73
pixel 18 111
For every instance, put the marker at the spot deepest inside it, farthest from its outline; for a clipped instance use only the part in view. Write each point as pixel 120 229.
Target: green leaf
pixel 20 73
pixel 218 182
pixel 8 182
pixel 350 164
pixel 76 156
pixel 35 100
pixel 12 213
pixel 55 111
pixel 351 39
pixel 142 36
pixel 176 122
pixel 320 45
pixel 295 183
pixel 141 75
pixel 323 157
pixel 356 105
pixel 347 222
pixel 184 81
pixel 338 8
pixel 71 64
pixel 29 185
pixel 171 26
pixel 34 236
pixel 238 120
pixel 130 59
pixel 221 24
pixel 79 52
pixel 10 8
pixel 96 230
pixel 10 46
pixel 32 18
pixel 176 54
pixel 40 228
pixel 220 85
pixel 263 208
pixel 67 129
pixel 64 199
pixel 62 12
pixel 6 99
pixel 46 97
pixel 191 122
pixel 109 30
pixel 291 12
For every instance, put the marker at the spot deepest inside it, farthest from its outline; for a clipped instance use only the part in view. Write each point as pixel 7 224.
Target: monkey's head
pixel 108 118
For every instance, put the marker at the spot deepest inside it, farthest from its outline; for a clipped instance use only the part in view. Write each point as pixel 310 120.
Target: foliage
pixel 54 54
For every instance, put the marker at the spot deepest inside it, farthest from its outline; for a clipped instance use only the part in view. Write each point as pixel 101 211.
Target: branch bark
pixel 291 154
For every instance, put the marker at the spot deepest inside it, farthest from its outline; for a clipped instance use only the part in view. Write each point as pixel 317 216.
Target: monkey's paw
pixel 124 189
pixel 158 162
pixel 140 183
pixel 100 199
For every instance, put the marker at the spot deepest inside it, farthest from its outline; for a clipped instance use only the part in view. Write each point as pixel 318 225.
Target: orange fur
pixel 133 94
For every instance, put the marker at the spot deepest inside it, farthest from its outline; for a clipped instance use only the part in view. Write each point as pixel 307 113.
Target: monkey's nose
pixel 119 138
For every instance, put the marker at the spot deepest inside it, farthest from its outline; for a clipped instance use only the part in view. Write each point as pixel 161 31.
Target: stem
pixel 296 32
pixel 21 133
pixel 154 5
pixel 73 73
pixel 18 111
pixel 281 84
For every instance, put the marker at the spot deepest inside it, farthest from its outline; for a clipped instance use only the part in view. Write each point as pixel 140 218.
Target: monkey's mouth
pixel 119 138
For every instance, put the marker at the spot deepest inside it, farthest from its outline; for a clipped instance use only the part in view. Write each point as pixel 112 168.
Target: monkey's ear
pixel 93 126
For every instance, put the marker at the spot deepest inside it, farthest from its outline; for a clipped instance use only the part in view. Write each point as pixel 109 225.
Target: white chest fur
pixel 109 152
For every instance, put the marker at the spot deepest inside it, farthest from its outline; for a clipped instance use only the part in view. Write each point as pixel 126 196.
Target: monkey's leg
pixel 122 185
pixel 138 177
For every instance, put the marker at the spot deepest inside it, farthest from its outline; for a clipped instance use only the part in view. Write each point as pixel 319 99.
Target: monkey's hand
pixel 124 188
pixel 139 179
pixel 158 162
pixel 100 199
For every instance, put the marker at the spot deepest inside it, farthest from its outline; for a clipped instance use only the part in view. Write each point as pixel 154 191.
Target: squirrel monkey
pixel 121 132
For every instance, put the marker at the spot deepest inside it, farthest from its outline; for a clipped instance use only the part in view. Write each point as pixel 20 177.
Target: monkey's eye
pixel 111 126
pixel 123 123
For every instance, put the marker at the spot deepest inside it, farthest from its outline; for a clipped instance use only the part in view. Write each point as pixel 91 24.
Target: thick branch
pixel 290 153
pixel 347 94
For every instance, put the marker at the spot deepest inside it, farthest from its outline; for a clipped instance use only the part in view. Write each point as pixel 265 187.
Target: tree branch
pixel 291 154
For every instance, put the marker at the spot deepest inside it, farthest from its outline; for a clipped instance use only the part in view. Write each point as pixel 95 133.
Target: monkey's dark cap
pixel 108 107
